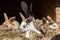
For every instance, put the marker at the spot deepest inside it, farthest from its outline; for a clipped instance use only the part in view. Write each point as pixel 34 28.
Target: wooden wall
pixel 40 8
pixel 43 8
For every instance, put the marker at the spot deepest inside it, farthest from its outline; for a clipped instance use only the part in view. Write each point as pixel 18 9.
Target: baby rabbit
pixel 10 24
pixel 27 25
pixel 49 26
pixel 37 23
pixel 52 24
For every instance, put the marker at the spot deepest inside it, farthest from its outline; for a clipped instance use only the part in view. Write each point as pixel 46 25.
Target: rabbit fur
pixel 10 24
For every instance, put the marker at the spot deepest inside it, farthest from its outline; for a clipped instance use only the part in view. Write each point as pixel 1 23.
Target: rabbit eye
pixel 6 25
pixel 24 26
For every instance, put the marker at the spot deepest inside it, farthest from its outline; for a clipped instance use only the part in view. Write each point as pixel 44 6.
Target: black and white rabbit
pixel 27 24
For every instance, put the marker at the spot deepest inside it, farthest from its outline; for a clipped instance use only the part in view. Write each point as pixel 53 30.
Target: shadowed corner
pixel 56 37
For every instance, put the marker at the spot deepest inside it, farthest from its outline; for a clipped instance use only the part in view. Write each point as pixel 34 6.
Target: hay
pixel 18 35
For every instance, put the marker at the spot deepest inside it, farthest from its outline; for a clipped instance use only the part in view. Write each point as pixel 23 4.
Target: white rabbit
pixel 27 25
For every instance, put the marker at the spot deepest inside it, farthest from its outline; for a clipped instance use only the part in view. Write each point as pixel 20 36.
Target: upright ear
pixel 5 16
pixel 49 19
pixel 24 6
pixel 44 20
pixel 12 19
pixel 23 18
pixel 31 7
pixel 31 13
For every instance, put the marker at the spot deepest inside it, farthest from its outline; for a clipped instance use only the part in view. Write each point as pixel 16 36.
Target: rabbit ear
pixel 31 14
pixel 49 19
pixel 31 7
pixel 44 20
pixel 5 16
pixel 23 18
pixel 12 19
pixel 24 6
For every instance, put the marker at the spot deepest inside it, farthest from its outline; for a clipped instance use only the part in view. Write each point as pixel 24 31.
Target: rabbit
pixel 27 25
pixel 37 23
pixel 44 26
pixel 49 26
pixel 52 24
pixel 10 24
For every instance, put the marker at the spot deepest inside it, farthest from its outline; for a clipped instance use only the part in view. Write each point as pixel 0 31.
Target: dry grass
pixel 10 35
pixel 17 35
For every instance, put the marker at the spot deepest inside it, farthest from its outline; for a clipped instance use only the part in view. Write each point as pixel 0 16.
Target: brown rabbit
pixel 37 23
pixel 10 24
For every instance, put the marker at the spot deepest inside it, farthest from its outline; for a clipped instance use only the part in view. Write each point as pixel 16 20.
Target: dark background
pixel 12 8
pixel 57 3
pixel 41 8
